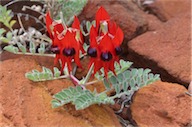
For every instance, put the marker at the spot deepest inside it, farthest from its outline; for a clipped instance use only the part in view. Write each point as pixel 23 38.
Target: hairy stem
pixel 54 78
pixel 20 23
pixel 91 82
pixel 88 75
pixel 36 54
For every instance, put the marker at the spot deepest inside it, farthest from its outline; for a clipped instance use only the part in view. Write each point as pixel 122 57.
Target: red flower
pixel 105 40
pixel 66 43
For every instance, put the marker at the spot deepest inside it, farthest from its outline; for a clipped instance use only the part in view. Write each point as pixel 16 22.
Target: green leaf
pixel 106 83
pixel 127 74
pixel 88 26
pixel 11 48
pixel 46 74
pixel 12 22
pixel 79 97
pixel 67 92
pixel 125 86
pixel 57 73
pixel 113 80
pixel 3 39
pixel 58 97
pixel 134 72
pixel 41 50
pixel 117 89
pixel 30 76
pixel 133 78
pixel 125 65
pixel 146 71
pixel 32 47
pixel 132 83
pixel 21 47
pixel 55 103
pixel 156 77
pixel 120 77
pixel 2 31
pixel 9 35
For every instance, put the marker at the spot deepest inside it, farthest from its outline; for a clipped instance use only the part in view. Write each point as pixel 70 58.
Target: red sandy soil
pixel 24 103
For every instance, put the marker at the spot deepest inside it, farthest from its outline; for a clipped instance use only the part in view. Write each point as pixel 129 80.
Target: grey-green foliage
pixel 71 8
pixel 119 68
pixel 131 80
pixel 11 48
pixel 5 18
pixel 22 48
pixel 80 98
pixel 125 83
pixel 46 74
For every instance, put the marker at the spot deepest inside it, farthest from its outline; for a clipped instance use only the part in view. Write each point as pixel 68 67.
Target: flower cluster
pixel 66 42
pixel 105 40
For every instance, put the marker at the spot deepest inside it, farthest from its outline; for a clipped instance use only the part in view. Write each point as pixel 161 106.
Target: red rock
pixel 162 104
pixel 25 103
pixel 166 51
pixel 175 7
pixel 167 9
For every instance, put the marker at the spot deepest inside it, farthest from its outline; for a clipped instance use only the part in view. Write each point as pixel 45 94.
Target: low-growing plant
pixel 67 46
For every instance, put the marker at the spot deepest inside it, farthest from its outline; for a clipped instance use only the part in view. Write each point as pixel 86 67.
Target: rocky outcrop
pixel 162 104
pixel 166 50
pixel 167 9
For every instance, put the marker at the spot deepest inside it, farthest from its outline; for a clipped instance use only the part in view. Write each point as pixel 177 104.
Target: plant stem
pixel 36 54
pixel 91 82
pixel 43 38
pixel 54 78
pixel 88 75
pixel 74 79
pixel 20 22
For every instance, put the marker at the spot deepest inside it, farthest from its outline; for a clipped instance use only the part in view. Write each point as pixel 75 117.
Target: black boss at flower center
pixel 92 52
pixel 118 50
pixel 68 51
pixel 55 49
pixel 106 56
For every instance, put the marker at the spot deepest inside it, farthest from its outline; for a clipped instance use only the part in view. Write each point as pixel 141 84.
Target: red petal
pixel 63 61
pixel 112 28
pixel 117 40
pixel 56 59
pixel 76 57
pixel 48 24
pixel 112 68
pixel 106 45
pixel 106 68
pixel 69 64
pixel 76 23
pixel 101 15
pixel 97 65
pixel 58 28
pixel 93 35
pixel 69 41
